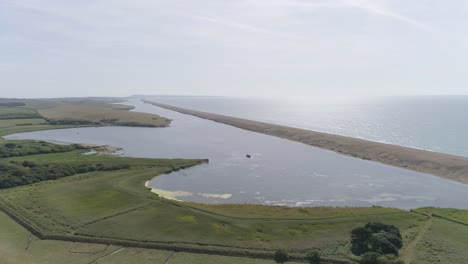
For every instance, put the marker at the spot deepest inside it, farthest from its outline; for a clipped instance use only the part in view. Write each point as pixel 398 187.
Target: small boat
pixel 248 156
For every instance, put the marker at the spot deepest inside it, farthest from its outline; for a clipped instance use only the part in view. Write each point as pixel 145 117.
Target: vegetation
pixel 42 114
pixel 444 242
pixel 13 112
pixel 25 148
pixel 11 103
pixel 16 173
pixel 313 257
pixel 18 246
pixel 89 112
pixel 377 238
pixel 18 123
pixel 455 215
pixel 281 256
pixel 370 258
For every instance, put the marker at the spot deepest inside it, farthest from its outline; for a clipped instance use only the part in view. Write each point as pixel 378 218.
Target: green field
pixel 90 112
pixel 5 123
pixel 455 215
pixel 444 242
pixel 44 114
pixel 9 112
pixel 18 246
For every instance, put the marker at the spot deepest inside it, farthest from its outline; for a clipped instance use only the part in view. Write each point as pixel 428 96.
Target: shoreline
pixel 443 165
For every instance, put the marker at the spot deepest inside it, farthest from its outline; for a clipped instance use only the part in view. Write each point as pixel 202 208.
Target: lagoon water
pixel 438 123
pixel 280 172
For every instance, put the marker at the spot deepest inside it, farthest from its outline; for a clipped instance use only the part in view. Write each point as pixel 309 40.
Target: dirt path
pixel 107 255
pixel 168 260
pixel 29 242
pixel 410 250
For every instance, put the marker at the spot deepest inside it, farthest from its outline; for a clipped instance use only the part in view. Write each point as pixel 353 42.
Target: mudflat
pixel 438 164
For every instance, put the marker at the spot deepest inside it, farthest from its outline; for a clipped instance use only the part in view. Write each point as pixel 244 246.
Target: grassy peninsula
pixel 23 115
pixel 438 164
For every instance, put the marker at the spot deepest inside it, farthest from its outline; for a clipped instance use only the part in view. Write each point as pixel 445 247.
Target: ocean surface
pixel 279 172
pixel 437 123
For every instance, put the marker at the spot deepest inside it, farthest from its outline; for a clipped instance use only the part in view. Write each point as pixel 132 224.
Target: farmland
pixel 92 112
pixel 34 115
pixel 18 246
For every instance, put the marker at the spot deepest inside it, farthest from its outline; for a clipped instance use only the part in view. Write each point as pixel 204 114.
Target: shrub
pixel 281 256
pixel 370 258
pixel 313 257
pixel 10 145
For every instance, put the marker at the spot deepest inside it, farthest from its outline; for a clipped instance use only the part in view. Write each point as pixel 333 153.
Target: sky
pixel 274 48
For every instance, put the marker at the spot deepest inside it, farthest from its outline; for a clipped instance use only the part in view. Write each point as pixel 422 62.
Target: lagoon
pixel 279 172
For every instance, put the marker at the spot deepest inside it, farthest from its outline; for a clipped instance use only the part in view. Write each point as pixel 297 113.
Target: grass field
pixel 9 112
pixel 76 200
pixel 100 113
pixel 447 213
pixel 18 246
pixel 44 114
pixel 445 242
pixel 6 123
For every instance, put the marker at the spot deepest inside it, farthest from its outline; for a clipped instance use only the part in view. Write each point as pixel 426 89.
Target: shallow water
pixel 278 172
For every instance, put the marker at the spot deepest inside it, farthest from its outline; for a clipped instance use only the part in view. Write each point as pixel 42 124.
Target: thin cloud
pixel 371 7
pixel 236 24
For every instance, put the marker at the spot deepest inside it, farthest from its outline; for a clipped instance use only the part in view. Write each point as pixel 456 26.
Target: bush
pixel 11 149
pixel 28 164
pixel 10 145
pixel 21 173
pixel 281 256
pixel 313 257
pixel 370 258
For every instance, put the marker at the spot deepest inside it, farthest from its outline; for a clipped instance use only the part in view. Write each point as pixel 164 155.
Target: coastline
pixel 443 165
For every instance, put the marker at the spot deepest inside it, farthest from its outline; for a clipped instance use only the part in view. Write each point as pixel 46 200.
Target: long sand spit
pixel 438 164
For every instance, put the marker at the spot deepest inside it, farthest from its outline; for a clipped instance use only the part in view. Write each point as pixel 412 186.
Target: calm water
pixel 279 172
pixel 433 123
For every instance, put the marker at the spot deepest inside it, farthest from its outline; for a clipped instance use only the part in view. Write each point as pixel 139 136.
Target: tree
pixel 376 237
pixel 313 257
pixel 281 256
pixel 382 243
pixel 359 238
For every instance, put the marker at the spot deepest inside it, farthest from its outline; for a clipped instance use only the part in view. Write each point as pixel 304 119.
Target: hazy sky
pixel 233 47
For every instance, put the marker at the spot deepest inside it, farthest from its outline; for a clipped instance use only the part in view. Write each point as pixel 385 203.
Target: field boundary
pixel 166 201
pixel 449 219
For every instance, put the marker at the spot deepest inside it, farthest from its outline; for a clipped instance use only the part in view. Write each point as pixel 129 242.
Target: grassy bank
pixel 443 165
